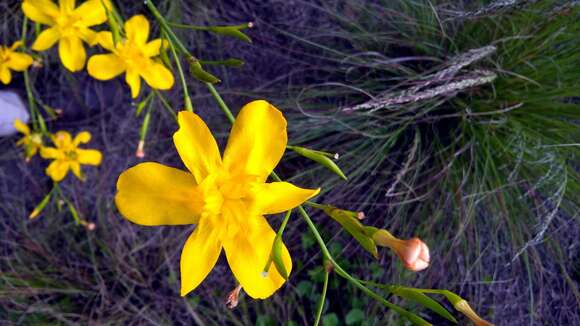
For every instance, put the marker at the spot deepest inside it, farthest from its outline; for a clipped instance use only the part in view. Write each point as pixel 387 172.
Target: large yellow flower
pixel 67 156
pixel 134 56
pixel 69 26
pixel 12 60
pixel 225 198
pixel 32 141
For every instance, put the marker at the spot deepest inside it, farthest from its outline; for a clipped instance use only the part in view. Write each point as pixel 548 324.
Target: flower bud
pixel 463 307
pixel 233 297
pixel 140 153
pixel 322 158
pixel 413 252
pixel 349 221
pixel 38 209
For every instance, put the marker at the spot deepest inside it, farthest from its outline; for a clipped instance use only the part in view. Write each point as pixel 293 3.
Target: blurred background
pixel 455 121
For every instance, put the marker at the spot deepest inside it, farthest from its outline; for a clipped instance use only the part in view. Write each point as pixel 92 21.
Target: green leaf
pixel 424 301
pixel 307 241
pixel 304 288
pixel 330 320
pixel 354 316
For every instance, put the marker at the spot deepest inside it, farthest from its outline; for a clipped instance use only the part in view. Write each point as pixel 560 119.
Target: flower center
pixel 228 200
pixel 67 25
pixel 71 155
pixel 36 139
pixel 132 54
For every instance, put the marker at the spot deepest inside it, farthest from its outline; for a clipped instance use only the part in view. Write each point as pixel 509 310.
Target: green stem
pixel 167 29
pixel 322 299
pixel 165 104
pixel 186 98
pixel 223 106
pixel 35 115
pixel 206 28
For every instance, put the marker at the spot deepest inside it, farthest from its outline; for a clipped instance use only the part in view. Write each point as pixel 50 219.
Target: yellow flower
pixel 69 26
pixel 32 141
pixel 134 56
pixel 225 198
pixel 67 156
pixel 12 60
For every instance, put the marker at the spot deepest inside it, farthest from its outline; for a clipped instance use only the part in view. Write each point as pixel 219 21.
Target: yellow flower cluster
pixel 66 154
pixel 70 26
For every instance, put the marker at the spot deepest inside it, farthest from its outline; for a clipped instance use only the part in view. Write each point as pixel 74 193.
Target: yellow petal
pixel 5 75
pixel 62 139
pixel 51 153
pixel 46 39
pixel 72 53
pixel 196 146
pixel 105 66
pixel 82 137
pixel 40 11
pixel 19 61
pixel 199 255
pixel 67 6
pixel 88 35
pixel 257 140
pixel 154 194
pixel 89 156
pixel 16 45
pixel 134 80
pixel 21 127
pixel 153 48
pixel 158 76
pixel 92 12
pixel 57 170
pixel 278 197
pixel 76 169
pixel 105 39
pixel 137 29
pixel 247 254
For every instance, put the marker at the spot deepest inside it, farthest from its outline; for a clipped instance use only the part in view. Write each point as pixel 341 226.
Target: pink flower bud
pixel 413 252
pixel 233 297
pixel 140 153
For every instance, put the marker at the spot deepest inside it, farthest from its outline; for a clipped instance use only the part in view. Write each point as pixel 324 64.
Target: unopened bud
pixel 413 252
pixel 38 209
pixel 323 158
pixel 37 63
pixel 349 220
pixel 140 153
pixel 233 297
pixel 463 307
